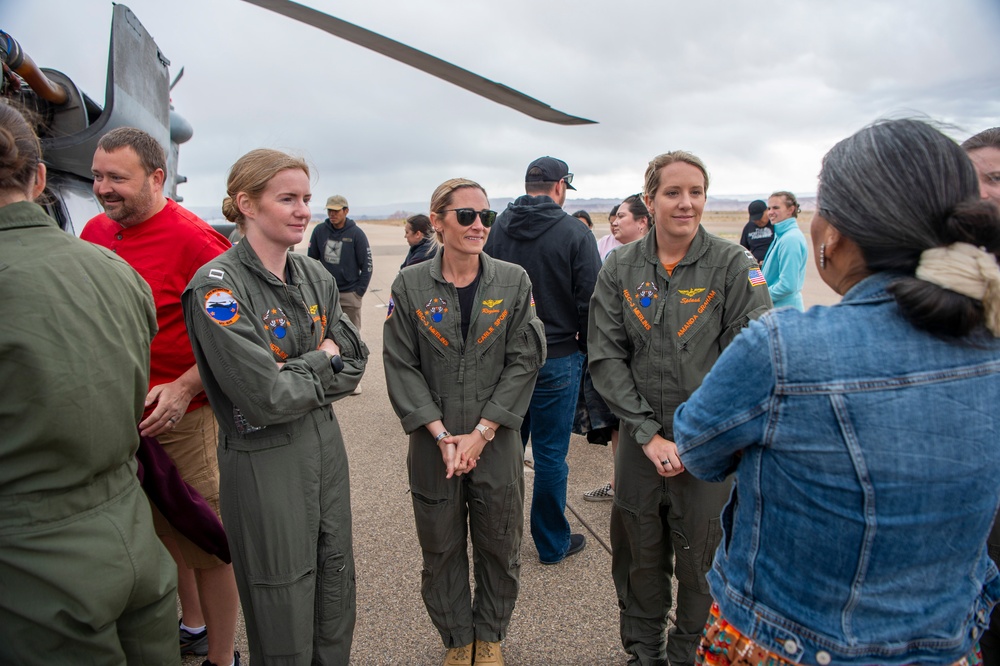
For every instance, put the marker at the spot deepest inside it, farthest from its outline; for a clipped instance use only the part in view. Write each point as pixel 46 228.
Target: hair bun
pixel 230 210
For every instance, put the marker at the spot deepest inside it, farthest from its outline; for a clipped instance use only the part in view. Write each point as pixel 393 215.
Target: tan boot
pixel 459 656
pixel 488 653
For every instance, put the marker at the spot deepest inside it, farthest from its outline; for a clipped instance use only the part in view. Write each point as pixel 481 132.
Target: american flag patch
pixel 756 278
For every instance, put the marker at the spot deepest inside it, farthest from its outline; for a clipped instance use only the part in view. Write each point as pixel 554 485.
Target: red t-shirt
pixel 166 250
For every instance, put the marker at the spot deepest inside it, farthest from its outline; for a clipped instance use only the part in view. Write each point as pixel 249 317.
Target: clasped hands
pixel 461 452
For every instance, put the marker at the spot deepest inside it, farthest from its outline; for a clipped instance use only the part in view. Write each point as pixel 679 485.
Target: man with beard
pixel 167 244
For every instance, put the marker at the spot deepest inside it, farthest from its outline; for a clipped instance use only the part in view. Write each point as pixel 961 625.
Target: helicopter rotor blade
pixel 177 78
pixel 425 62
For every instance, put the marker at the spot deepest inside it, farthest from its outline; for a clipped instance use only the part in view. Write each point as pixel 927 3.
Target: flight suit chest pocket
pixel 639 308
pixel 278 332
pixel 490 355
pixel 429 327
pixel 698 321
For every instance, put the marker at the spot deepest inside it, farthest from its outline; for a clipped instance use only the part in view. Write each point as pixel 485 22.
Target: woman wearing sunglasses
pixel 462 349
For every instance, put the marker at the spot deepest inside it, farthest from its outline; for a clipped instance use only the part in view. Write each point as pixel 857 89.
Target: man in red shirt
pixel 166 244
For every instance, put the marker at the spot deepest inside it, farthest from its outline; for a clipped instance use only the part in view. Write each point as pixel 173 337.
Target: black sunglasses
pixel 568 178
pixel 466 216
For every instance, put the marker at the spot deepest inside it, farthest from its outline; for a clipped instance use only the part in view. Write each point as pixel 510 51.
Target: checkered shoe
pixel 603 494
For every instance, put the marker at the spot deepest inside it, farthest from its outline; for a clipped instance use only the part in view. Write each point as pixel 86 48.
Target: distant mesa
pixel 401 211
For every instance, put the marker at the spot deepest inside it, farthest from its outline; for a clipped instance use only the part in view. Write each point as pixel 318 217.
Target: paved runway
pixel 566 614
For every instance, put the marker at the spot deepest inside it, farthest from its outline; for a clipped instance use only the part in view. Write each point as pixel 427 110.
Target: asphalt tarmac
pixel 566 614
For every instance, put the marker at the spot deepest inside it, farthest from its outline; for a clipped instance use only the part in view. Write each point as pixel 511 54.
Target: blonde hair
pixel 444 194
pixel 251 174
pixel 660 161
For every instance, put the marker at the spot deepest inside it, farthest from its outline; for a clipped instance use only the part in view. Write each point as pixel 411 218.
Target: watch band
pixel 336 363
pixel 441 435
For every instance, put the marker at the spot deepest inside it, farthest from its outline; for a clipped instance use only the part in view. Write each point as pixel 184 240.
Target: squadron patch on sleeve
pixel 222 307
pixel 390 308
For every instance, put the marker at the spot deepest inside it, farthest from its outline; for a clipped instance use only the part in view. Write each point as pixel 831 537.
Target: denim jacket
pixel 867 472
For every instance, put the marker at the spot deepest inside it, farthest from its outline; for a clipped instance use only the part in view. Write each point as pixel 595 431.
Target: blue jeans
pixel 549 422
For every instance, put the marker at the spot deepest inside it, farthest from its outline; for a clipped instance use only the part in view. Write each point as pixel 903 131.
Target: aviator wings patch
pixel 491 303
pixel 690 293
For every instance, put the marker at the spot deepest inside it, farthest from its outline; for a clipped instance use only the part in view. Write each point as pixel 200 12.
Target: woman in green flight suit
pixel 274 350
pixel 462 349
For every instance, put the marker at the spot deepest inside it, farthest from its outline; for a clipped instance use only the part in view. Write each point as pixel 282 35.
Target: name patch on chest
pixel 422 316
pixel 492 329
pixel 693 318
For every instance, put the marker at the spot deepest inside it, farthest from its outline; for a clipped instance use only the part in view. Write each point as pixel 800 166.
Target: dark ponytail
pixel 900 187
pixel 939 310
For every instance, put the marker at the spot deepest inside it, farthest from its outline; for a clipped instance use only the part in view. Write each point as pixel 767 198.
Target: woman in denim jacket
pixel 864 435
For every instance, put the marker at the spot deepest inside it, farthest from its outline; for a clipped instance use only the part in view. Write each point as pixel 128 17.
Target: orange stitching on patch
pixel 440 338
pixel 492 328
pixel 635 310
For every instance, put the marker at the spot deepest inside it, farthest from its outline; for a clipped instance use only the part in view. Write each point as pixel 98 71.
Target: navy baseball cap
pixel 549 170
pixel 756 210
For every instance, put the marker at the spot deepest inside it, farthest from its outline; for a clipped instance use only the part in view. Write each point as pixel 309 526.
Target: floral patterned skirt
pixel 722 644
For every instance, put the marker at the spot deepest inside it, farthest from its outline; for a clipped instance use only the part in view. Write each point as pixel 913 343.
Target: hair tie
pixel 967 270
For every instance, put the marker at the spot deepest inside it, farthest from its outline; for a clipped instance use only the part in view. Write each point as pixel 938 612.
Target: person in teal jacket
pixel 784 264
pixel 275 349
pixel 462 350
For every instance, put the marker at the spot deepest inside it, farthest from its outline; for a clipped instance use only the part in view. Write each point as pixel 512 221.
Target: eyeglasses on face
pixel 466 216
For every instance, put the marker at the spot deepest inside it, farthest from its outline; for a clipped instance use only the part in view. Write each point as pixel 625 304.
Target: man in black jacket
pixel 560 256
pixel 340 245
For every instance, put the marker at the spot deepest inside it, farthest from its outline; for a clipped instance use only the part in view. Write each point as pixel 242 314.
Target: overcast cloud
pixel 759 90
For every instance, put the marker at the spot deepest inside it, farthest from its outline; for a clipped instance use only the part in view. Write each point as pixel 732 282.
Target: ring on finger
pixel 665 463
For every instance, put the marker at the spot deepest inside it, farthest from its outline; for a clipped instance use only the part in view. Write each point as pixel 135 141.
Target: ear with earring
pixel 822 255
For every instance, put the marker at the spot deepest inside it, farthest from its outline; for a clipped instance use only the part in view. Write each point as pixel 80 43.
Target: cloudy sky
pixel 759 90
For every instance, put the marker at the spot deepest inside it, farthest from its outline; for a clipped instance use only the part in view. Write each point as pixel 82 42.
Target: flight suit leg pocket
pixel 694 553
pixel 435 520
pixel 284 606
pixel 334 591
pixel 490 516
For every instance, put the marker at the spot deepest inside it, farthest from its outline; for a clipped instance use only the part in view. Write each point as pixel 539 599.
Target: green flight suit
pixel 83 577
pixel 653 338
pixel 284 488
pixel 431 374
